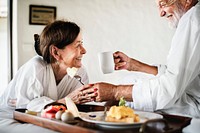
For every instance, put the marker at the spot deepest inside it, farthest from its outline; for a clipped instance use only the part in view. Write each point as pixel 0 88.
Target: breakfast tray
pixel 176 123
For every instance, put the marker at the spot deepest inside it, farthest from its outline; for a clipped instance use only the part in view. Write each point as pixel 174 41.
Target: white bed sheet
pixel 9 125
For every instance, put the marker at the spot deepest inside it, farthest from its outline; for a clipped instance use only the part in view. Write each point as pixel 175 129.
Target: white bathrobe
pixel 176 88
pixel 34 85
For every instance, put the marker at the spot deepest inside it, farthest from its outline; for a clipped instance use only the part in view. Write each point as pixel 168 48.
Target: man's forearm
pixel 142 67
pixel 123 91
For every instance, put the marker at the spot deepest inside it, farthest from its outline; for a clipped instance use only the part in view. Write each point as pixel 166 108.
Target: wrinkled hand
pixel 105 91
pixel 83 94
pixel 122 61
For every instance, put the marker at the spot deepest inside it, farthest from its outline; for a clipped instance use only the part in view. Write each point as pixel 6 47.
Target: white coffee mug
pixel 106 62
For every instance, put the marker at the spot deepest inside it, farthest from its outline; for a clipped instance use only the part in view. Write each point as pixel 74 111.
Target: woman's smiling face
pixel 72 54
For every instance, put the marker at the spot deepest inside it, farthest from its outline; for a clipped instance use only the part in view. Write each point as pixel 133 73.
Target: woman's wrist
pixel 61 100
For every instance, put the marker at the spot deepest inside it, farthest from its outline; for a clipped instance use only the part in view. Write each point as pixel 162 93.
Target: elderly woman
pixel 44 79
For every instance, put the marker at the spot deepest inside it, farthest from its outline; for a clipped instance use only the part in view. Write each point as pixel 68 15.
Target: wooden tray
pixel 176 123
pixel 49 123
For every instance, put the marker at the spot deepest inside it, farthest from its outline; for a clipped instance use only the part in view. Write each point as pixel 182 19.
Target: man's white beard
pixel 178 13
pixel 174 23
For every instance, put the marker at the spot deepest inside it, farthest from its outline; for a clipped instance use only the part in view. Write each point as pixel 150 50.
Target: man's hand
pixel 121 61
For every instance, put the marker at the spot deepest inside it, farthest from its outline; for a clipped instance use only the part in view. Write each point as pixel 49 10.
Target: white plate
pixel 99 118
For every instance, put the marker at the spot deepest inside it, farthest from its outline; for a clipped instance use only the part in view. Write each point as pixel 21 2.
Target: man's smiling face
pixel 172 10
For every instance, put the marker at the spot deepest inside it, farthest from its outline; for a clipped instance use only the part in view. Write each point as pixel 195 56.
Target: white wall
pixel 4 75
pixel 133 27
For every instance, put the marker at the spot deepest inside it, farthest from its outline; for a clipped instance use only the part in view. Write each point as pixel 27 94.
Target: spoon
pixel 79 79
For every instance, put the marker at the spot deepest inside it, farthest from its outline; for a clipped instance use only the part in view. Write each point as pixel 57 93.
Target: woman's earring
pixel 57 62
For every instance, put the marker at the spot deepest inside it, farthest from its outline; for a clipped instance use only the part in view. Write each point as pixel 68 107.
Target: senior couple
pixel 175 87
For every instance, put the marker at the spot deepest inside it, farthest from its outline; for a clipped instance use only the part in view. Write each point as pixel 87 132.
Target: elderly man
pixel 176 85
